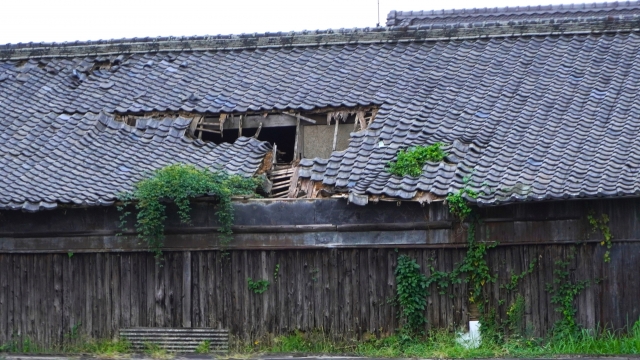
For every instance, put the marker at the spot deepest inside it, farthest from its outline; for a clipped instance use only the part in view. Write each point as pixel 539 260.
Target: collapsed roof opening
pixel 282 136
pixel 293 136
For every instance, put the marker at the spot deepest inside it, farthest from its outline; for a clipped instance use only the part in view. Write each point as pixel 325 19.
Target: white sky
pixel 70 20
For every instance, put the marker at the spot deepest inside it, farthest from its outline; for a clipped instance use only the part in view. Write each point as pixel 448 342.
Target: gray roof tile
pixel 90 158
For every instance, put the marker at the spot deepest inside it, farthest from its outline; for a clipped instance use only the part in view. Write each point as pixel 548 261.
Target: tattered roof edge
pixel 430 32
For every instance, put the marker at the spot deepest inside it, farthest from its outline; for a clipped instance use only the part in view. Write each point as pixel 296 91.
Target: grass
pixel 436 344
pixel 99 348
pixel 156 352
pixel 442 344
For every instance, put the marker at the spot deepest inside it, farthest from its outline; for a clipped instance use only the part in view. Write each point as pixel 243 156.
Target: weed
pixel 155 351
pixel 515 316
pixel 411 160
pixel 258 286
pixel 204 347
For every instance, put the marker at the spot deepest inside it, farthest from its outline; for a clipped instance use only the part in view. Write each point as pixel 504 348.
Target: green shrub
pixel 180 183
pixel 411 160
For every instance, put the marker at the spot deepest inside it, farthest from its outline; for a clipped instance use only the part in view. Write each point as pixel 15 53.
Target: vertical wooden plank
pixel 136 291
pixel 333 264
pixel 98 301
pixel 186 289
pixel 116 297
pixel 4 293
pixel 125 290
pixel 364 263
pixel 176 288
pixel 282 288
pixel 245 298
pixel 307 279
pixel 108 292
pixel 264 306
pixel 221 290
pixel 226 286
pixel 159 294
pixel 24 297
pixel 203 288
pixel 326 291
pixel 237 282
pixel 391 290
pixel 316 296
pixel 39 285
pixel 149 268
pixel 528 289
pixel 67 297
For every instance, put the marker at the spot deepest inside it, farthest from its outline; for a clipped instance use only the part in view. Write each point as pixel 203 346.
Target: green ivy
pixel 515 316
pixel 563 293
pixel 180 183
pixel 458 205
pixel 258 286
pixel 411 293
pixel 515 278
pixel 411 160
pixel 602 225
pixel 474 266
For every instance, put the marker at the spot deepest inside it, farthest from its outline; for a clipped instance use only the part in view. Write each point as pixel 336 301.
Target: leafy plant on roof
pixel 180 183
pixel 410 161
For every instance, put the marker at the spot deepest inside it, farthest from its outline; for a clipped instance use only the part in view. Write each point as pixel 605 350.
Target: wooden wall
pixel 43 297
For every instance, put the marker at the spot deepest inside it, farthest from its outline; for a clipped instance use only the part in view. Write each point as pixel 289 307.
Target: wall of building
pixel 345 292
pixel 65 269
pixel 318 139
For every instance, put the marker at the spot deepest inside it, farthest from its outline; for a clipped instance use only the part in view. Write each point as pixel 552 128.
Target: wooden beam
pixel 258 131
pixel 253 121
pixel 298 116
pixel 207 130
pixel 295 146
pixel 240 126
pixel 335 135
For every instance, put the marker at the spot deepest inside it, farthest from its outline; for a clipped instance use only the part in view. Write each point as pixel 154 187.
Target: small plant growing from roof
pixel 411 160
pixel 180 183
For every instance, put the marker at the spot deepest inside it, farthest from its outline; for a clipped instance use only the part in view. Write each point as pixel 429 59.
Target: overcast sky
pixel 70 20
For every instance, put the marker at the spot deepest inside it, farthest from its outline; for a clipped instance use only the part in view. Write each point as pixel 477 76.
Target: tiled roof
pixel 532 118
pixel 540 110
pixel 88 159
pixel 517 13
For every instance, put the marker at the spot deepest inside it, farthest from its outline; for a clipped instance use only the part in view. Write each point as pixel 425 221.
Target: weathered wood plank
pixel 4 294
pixel 186 289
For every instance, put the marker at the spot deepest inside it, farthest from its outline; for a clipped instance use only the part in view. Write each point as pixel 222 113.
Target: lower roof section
pixel 48 159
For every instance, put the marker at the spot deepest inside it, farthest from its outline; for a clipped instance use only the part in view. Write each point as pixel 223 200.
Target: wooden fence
pixel 345 292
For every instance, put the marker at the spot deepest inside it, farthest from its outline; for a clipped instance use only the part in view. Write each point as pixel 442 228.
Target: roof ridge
pixel 520 9
pixel 421 32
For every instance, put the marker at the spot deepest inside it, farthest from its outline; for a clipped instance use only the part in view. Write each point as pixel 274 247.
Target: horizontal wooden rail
pixel 246 229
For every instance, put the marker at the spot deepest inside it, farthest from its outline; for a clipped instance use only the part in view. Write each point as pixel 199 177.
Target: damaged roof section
pixel 527 119
pixel 88 159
